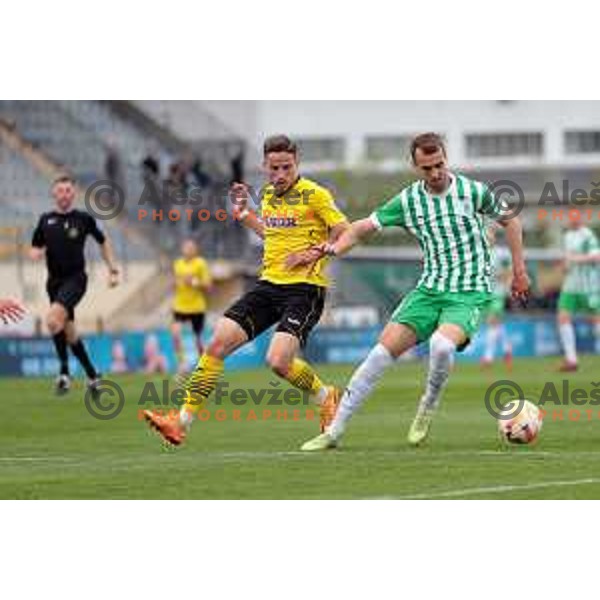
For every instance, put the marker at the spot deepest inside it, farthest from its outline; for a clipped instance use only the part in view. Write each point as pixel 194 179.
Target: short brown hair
pixel 428 143
pixel 64 178
pixel 279 143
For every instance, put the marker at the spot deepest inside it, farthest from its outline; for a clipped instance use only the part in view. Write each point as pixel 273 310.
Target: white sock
pixel 567 337
pixel 359 387
pixel 506 345
pixel 491 340
pixel 441 359
pixel 186 418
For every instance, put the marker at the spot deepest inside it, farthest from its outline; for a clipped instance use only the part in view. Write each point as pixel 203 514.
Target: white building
pixel 480 134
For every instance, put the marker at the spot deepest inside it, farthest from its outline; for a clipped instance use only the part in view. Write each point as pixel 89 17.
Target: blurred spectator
pixel 237 166
pixel 176 181
pixel 200 176
pixel 176 191
pixel 151 179
pixel 113 168
pixel 154 360
pixel 119 358
pixel 150 168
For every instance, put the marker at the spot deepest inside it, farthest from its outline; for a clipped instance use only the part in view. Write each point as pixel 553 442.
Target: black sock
pixel 60 343
pixel 81 354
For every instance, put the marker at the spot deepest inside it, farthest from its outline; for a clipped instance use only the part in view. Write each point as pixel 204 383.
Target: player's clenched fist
pixel 239 194
pixel 520 287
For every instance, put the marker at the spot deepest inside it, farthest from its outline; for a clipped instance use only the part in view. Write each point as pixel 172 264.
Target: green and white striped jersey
pixel 581 279
pixel 450 230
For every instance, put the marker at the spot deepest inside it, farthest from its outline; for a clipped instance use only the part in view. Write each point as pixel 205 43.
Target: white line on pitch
pixel 400 454
pixel 34 458
pixel 497 489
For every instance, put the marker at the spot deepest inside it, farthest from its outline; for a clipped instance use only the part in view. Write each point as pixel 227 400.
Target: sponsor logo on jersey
pixel 281 222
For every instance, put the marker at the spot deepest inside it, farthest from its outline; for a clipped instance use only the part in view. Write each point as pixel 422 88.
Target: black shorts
pixel 67 291
pixel 196 319
pixel 297 307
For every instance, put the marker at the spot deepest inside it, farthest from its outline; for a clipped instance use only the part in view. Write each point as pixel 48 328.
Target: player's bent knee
pixel 54 323
pixel 228 336
pixel 397 338
pixel 222 345
pixel 440 345
pixel 71 335
pixel 280 365
pixel 216 348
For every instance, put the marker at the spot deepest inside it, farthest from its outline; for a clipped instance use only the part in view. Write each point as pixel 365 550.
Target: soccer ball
pixel 522 427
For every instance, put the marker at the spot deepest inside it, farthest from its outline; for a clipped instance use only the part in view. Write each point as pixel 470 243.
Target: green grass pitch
pixel 52 448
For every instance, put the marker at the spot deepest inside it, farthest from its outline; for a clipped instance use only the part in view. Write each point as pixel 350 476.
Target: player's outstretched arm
pixel 36 253
pixel 336 223
pixel 38 242
pixel 239 194
pixel 108 255
pixel 345 237
pixel 351 236
pixel 251 221
pixel 337 231
pixel 514 239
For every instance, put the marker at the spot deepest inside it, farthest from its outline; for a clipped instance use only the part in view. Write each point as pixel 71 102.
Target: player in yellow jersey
pixel 296 214
pixel 191 281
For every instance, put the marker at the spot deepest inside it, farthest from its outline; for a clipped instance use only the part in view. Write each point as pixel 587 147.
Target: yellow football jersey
pixel 293 222
pixel 189 299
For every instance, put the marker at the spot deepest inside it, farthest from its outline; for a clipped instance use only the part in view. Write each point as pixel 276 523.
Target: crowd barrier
pixel 153 352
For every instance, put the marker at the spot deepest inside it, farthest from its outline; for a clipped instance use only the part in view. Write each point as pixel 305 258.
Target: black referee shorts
pixel 67 291
pixel 297 307
pixel 195 319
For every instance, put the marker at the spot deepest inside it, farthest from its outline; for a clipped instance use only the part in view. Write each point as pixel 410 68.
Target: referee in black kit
pixel 61 235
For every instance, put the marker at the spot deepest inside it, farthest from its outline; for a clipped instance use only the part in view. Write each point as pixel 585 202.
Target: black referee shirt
pixel 63 235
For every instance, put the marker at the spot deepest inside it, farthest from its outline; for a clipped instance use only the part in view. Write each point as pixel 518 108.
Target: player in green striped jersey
pixel 580 291
pixel 445 212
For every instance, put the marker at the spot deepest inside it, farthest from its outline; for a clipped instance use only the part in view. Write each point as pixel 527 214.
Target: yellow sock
pixel 302 376
pixel 202 382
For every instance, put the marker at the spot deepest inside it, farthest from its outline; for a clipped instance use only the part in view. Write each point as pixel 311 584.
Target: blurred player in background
pixel 296 214
pixel 11 310
pixel 155 361
pixel 192 281
pixel 580 292
pixel 445 212
pixel 495 315
pixel 61 235
pixel 118 363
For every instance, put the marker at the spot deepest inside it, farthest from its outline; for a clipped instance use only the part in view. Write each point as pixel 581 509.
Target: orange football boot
pixel 168 427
